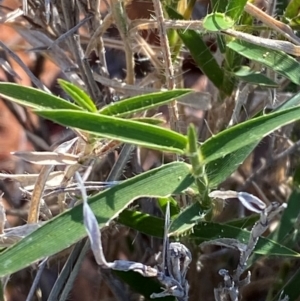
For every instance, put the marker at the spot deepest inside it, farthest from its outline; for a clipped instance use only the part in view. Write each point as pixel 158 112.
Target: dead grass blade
pixel 47 158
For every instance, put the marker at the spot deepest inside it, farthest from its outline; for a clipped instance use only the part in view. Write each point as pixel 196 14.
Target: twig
pixel 147 50
pixel 75 46
pixel 146 24
pixel 36 279
pixel 64 274
pixel 70 32
pixel 97 21
pixel 34 209
pixel 120 163
pixel 241 98
pixel 25 6
pixel 278 45
pixel 68 286
pixel 47 11
pixel 72 189
pixel 271 161
pixel 106 23
pixel 233 283
pixel 169 70
pixel 121 22
pixel 32 77
pixel 12 16
pixel 128 90
pixel 280 27
pixel 3 219
pixel 39 186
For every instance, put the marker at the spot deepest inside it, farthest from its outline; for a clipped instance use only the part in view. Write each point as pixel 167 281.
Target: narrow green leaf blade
pixel 292 102
pixel 34 98
pixel 292 9
pixel 202 55
pixel 279 61
pixel 186 220
pixel 142 102
pixel 235 8
pixel 218 170
pixel 244 222
pixel 142 222
pixel 142 285
pixel 289 219
pixel 173 204
pixel 67 228
pixel 127 131
pixel 206 231
pixel 247 75
pixel 291 288
pixel 246 133
pixel 78 95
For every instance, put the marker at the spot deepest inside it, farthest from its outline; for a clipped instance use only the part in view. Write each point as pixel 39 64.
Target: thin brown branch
pixel 121 22
pixel 169 70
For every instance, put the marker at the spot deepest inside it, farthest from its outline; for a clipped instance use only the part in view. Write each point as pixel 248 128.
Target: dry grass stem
pixel 122 24
pixel 145 24
pixel 278 26
pixel 128 90
pixel 34 209
pixel 167 61
pixel 97 38
pixel 284 46
pixel 16 58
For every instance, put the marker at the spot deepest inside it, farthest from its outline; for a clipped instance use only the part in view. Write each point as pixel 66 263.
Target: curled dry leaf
pixel 13 235
pixel 91 225
pixel 226 242
pixel 251 202
pixel 248 200
pixel 47 158
pixel 220 194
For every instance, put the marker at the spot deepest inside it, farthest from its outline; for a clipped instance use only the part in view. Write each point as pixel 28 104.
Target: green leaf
pixel 288 221
pixel 291 288
pixel 142 222
pixel 34 98
pixel 292 102
pixel 235 8
pixel 186 220
pixel 219 169
pixel 189 223
pixel 142 285
pixel 202 55
pixel 246 133
pixel 150 120
pixel 247 75
pixel 78 95
pixel 279 61
pixel 244 222
pixel 127 131
pixel 205 231
pixel 220 6
pixel 174 206
pixel 217 22
pixel 182 224
pixel 292 9
pixel 67 228
pixel 142 102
